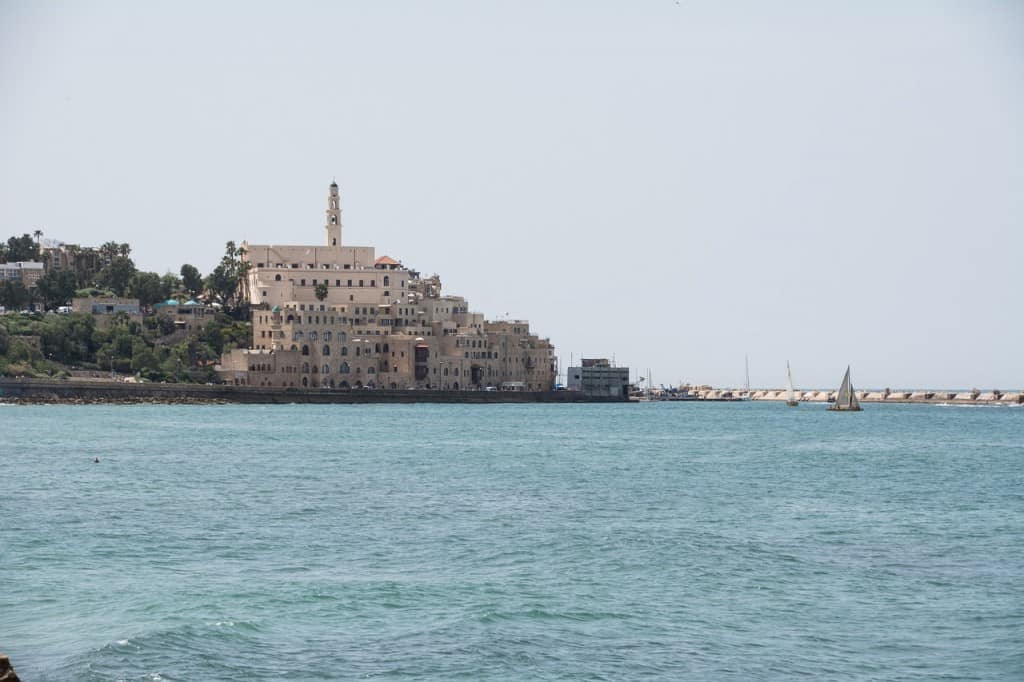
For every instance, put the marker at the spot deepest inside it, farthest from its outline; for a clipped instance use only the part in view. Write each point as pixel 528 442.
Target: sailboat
pixel 846 399
pixel 746 382
pixel 790 396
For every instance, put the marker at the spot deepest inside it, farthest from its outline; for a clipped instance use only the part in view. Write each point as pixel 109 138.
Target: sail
pixel 789 385
pixel 846 399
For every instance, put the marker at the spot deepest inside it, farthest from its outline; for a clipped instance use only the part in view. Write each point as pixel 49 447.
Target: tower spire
pixel 333 215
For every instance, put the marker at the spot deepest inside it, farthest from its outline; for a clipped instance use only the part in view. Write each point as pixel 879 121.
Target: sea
pixel 662 540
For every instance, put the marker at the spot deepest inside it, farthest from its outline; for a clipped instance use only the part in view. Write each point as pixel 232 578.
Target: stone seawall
pixel 71 391
pixel 884 396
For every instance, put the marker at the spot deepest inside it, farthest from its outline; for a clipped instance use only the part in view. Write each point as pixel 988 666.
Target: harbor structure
pixel 338 316
pixel 597 377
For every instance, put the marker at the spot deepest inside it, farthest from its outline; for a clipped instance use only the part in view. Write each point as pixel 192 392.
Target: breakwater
pixel 973 397
pixel 85 391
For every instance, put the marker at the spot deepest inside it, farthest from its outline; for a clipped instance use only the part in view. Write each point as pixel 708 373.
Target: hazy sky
pixel 674 184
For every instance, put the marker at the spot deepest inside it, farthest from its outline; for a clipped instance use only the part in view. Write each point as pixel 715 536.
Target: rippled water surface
pixel 663 540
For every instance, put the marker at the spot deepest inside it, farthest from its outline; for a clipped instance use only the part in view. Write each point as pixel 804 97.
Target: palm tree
pixel 37 234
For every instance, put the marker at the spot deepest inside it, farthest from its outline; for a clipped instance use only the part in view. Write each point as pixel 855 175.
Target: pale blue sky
pixel 674 184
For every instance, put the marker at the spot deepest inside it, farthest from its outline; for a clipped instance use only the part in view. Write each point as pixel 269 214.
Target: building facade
pixel 26 272
pixel 338 316
pixel 597 377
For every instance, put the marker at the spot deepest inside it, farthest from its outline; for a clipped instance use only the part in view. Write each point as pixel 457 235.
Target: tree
pixel 321 291
pixel 228 280
pixel 109 250
pixel 13 295
pixel 170 284
pixel 118 275
pixel 56 288
pixel 22 249
pixel 37 234
pixel 192 280
pixel 147 287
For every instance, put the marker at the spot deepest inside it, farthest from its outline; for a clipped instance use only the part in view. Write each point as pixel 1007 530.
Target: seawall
pixel 884 396
pixel 72 391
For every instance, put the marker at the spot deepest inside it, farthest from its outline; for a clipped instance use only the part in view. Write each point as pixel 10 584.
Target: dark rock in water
pixel 7 673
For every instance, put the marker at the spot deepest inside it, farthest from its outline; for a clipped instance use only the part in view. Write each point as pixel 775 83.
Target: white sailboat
pixel 846 399
pixel 790 395
pixel 746 380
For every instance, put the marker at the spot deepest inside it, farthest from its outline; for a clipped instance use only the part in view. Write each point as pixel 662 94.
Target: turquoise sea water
pixel 662 540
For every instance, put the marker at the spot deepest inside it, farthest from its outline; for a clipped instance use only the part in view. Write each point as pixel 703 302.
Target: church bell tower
pixel 333 216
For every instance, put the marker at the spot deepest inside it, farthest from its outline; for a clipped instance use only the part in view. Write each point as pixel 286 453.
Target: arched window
pixel 297 336
pixel 312 336
pixel 376 348
pixel 342 336
pixel 371 370
pixel 327 336
pixel 277 277
pixel 305 368
pixel 357 351
pixel 326 369
pixel 334 220
pixel 344 350
pixel 327 349
pixel 294 347
pixel 344 369
pixel 387 280
pixel 305 350
pixel 305 382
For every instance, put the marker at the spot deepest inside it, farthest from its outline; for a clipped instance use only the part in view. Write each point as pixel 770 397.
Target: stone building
pixel 338 316
pixel 105 309
pixel 26 272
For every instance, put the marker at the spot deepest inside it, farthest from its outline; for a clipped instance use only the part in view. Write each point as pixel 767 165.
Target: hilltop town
pixel 331 316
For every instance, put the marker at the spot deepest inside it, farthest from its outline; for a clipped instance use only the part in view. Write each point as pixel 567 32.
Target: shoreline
pixel 93 392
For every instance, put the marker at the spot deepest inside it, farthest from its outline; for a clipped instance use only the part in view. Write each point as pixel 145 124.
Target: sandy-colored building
pixel 338 316
pixel 105 309
pixel 26 272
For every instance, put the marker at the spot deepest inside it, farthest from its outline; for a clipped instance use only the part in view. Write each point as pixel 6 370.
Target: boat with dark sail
pixel 846 398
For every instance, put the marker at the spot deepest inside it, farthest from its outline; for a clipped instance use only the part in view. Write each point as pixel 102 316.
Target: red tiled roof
pixel 386 260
